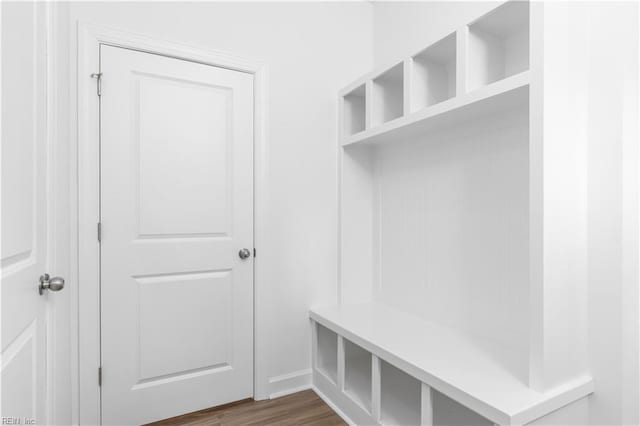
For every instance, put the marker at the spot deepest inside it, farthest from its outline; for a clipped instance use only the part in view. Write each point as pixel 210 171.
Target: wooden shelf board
pixel 448 361
pixel 501 95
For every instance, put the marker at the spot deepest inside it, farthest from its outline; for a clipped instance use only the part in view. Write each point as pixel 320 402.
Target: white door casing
pixel 176 208
pixel 24 212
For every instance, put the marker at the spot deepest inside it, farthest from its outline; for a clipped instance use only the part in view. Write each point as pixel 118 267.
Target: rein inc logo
pixel 17 421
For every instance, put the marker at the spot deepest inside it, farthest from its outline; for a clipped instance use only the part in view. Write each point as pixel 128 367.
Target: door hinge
pixel 98 77
pixel 99 376
pixel 254 252
pixel 99 232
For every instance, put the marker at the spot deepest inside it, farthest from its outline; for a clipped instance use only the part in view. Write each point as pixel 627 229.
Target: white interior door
pixel 24 208
pixel 176 209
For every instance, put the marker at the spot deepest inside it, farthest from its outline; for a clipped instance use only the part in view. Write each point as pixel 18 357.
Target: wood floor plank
pixel 299 409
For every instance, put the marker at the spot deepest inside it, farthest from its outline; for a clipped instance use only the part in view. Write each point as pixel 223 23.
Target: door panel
pixel 187 305
pixel 23 250
pixel 176 207
pixel 196 204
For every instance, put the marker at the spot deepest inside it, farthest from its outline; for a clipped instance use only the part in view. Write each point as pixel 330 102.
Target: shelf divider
pixel 462 60
pixel 340 378
pixel 368 117
pixel 426 415
pixel 408 94
pixel 375 388
pixel 314 344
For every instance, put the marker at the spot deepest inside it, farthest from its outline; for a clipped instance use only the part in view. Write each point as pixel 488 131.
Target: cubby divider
pixel 426 408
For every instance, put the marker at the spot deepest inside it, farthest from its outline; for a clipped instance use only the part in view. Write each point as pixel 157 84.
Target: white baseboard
pixel 338 411
pixel 289 383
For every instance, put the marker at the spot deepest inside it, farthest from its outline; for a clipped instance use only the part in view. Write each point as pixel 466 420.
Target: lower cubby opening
pixel 357 374
pixel 447 412
pixel 400 396
pixel 327 353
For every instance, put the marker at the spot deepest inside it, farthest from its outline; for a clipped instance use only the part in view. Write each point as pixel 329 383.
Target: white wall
pixel 453 231
pixel 311 50
pixel 402 28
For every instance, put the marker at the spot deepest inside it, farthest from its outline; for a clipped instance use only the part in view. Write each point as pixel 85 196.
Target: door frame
pixel 85 295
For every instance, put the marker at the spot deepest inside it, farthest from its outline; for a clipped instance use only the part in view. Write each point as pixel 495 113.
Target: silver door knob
pixel 48 283
pixel 245 253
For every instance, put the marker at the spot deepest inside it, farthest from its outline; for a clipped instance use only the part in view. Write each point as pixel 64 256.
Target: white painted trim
pixel 53 306
pixel 339 173
pixel 289 383
pixel 289 391
pixel 85 315
pixel 631 233
pixel 260 190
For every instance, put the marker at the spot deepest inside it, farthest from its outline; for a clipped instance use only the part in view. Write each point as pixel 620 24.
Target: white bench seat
pixel 447 361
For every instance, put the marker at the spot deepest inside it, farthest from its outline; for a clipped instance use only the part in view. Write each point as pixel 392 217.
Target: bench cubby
pixel 400 397
pixel 327 359
pixel 357 374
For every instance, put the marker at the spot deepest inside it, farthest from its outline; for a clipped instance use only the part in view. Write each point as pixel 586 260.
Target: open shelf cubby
pixel 388 97
pixel 357 374
pixel 447 412
pixel 434 74
pixel 400 396
pixel 327 355
pixel 499 44
pixel 355 111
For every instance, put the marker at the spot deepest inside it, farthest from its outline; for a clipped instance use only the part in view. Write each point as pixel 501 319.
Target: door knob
pixel 48 283
pixel 244 253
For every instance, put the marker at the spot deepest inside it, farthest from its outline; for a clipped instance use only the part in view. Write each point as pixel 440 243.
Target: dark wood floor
pixel 302 408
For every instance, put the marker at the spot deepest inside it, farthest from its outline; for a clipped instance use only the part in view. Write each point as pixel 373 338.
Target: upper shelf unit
pixel 478 69
pixel 499 96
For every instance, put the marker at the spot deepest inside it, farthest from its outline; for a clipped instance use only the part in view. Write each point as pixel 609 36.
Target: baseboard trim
pixel 338 411
pixel 289 391
pixel 289 383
